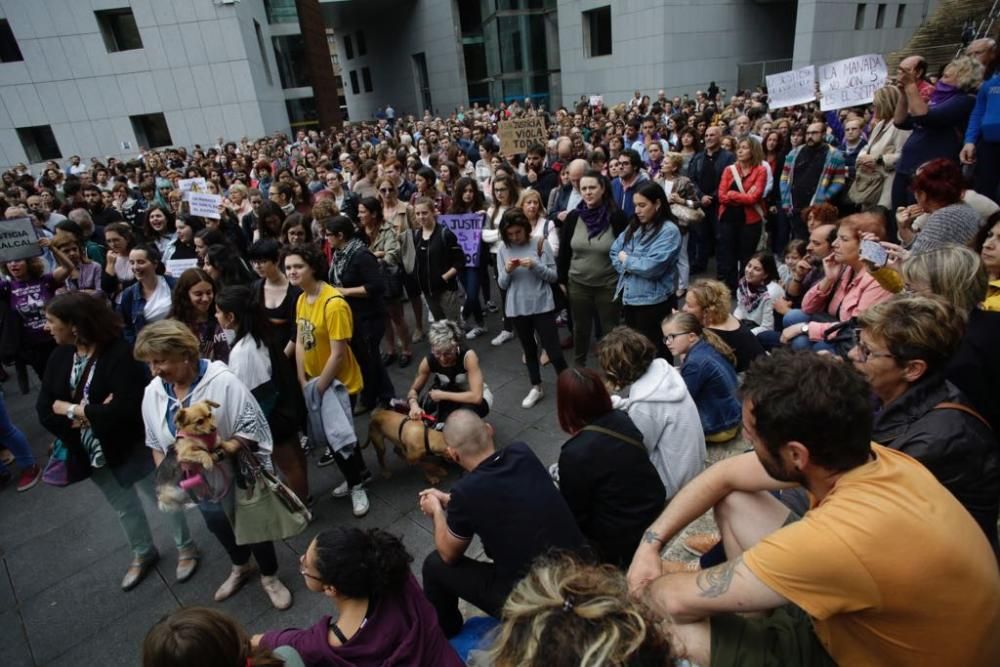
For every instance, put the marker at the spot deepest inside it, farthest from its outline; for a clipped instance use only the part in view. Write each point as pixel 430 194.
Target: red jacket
pixel 752 197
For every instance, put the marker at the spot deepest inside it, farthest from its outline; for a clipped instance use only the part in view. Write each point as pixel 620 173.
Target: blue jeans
pixel 795 317
pixel 470 282
pixel 13 439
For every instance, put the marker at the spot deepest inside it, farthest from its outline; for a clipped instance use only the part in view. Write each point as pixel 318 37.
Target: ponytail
pixel 720 345
pixel 690 323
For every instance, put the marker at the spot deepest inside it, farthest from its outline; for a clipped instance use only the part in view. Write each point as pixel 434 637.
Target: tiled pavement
pixel 63 552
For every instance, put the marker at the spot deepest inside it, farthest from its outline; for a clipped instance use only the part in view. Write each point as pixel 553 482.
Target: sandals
pixel 187 563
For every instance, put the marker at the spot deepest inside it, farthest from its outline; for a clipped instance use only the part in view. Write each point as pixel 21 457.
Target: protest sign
pixel 204 205
pixel 790 88
pixel 517 134
pixel 175 267
pixel 18 240
pixel 469 230
pixel 188 185
pixel 596 100
pixel 851 82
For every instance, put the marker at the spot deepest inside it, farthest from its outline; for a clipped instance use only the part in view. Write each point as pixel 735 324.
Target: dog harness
pixel 427 441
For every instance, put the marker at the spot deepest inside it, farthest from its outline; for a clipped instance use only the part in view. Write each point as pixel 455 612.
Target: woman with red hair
pixel 938 189
pixel 604 473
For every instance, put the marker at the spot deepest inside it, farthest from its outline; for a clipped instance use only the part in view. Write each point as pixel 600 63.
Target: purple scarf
pixel 943 92
pixel 597 219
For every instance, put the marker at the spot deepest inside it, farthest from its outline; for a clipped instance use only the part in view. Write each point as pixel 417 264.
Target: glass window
pixel 366 79
pixel 39 143
pixel 360 41
pixel 900 14
pixel 302 113
pixel 511 43
pixel 290 55
pixel 281 11
pixel 859 17
pixel 119 30
pixel 151 130
pixel 597 32
pixel 348 47
pixel 880 16
pixel 263 53
pixel 354 82
pixel 10 52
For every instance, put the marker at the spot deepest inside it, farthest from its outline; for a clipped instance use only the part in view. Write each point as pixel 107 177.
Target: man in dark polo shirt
pixel 509 500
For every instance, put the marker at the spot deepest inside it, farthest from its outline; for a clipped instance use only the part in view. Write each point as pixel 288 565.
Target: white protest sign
pixel 596 100
pixel 175 267
pixel 850 82
pixel 204 205
pixel 787 89
pixel 18 240
pixel 188 185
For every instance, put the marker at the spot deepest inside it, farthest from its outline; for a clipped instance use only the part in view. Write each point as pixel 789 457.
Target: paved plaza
pixel 64 553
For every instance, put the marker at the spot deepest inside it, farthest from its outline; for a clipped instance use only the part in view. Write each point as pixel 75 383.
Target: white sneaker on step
pixel 281 597
pixel 532 398
pixel 359 501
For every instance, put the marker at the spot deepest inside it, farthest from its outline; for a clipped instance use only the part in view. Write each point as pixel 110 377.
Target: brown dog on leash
pixel 411 439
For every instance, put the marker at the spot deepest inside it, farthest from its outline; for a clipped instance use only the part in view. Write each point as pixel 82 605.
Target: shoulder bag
pixel 70 464
pixel 614 434
pixel 265 509
pixel 866 189
pixel 762 243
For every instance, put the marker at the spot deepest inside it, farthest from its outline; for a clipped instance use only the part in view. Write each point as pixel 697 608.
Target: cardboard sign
pixel 517 134
pixel 851 82
pixel 204 205
pixel 189 185
pixel 469 230
pixel 175 267
pixel 787 89
pixel 18 240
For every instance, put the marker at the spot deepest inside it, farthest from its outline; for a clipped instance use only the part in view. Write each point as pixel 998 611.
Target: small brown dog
pixel 197 436
pixel 411 439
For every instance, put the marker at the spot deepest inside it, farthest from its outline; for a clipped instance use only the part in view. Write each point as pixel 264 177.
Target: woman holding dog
pixel 181 379
pixel 90 400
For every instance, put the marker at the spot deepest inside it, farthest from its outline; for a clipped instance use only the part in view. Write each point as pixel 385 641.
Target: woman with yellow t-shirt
pixel 323 351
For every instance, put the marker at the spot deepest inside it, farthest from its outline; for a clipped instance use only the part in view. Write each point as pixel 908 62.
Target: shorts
pixel 784 638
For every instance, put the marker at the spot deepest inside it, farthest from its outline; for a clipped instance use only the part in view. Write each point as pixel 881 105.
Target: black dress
pixel 744 344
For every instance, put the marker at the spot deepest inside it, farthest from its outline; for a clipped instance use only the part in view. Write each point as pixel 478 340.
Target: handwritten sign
pixel 204 205
pixel 517 134
pixel 469 230
pixel 189 185
pixel 787 89
pixel 850 82
pixel 596 100
pixel 18 240
pixel 175 267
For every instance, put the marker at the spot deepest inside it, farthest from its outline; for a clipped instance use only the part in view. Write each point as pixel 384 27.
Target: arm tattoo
pixel 649 537
pixel 715 581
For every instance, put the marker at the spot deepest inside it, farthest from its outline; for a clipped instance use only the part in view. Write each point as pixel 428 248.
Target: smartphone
pixel 872 251
pixel 515 262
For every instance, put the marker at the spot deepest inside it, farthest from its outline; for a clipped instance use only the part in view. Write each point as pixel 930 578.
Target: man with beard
pixel 101 214
pixel 814 173
pixel 885 567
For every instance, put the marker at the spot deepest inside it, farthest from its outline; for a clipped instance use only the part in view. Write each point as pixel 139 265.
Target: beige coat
pixel 886 141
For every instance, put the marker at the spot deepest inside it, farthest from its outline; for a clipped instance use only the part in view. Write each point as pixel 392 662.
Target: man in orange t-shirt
pixel 886 568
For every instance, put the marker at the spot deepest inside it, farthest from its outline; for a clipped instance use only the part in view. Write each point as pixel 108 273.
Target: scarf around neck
pixel 749 297
pixel 943 92
pixel 597 219
pixel 342 257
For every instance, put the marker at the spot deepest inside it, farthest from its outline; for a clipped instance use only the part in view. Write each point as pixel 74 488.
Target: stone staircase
pixel 939 37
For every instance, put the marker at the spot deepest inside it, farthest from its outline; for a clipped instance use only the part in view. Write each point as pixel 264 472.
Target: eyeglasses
pixel 669 338
pixel 302 570
pixel 865 353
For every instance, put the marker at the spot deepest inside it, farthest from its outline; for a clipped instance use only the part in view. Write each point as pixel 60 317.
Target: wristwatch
pixel 805 328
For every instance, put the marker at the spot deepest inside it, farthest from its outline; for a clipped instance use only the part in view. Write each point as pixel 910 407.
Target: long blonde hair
pixel 690 323
pixel 571 613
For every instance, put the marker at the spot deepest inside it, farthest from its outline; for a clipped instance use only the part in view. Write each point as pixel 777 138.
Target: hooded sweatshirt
pixel 400 630
pixel 662 408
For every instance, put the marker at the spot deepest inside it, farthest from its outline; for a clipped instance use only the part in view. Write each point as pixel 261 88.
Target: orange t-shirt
pixel 891 568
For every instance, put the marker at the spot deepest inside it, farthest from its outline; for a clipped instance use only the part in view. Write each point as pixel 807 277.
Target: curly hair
pixel 625 355
pixel 362 563
pixel 565 612
pixel 713 297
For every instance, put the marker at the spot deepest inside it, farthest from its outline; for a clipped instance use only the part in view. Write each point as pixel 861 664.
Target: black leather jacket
pixel 959 449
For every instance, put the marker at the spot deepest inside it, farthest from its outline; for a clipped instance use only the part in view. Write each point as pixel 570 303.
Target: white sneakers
pixel 359 501
pixel 341 491
pixel 502 338
pixel 281 597
pixel 475 332
pixel 533 397
pixel 234 582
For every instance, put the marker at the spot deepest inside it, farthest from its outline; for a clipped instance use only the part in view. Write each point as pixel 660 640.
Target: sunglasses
pixel 384 191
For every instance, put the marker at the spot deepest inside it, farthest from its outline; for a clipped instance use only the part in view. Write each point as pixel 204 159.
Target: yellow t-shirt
pixel 325 319
pixel 992 301
pixel 891 568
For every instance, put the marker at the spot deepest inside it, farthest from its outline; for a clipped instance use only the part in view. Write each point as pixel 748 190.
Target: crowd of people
pixel 849 332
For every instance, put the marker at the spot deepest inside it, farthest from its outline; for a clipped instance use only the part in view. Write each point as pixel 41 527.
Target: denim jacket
pixel 132 305
pixel 711 379
pixel 649 274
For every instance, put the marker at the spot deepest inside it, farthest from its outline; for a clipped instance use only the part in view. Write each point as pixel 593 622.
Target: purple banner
pixel 469 230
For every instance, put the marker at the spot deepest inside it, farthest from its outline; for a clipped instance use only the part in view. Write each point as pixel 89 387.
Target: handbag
pixel 762 242
pixel 265 510
pixel 67 464
pixel 687 215
pixel 392 279
pixel 866 189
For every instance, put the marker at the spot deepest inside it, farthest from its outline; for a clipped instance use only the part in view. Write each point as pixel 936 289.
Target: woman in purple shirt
pixel 383 617
pixel 26 291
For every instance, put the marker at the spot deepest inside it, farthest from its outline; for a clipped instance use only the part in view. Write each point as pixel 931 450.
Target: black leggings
pixel 365 345
pixel 263 552
pixel 647 319
pixel 544 324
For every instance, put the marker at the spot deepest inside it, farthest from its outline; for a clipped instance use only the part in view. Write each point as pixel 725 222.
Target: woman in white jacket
pixel 885 144
pixel 654 395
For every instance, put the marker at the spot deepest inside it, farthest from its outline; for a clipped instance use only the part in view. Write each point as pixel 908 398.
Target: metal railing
pixel 985 26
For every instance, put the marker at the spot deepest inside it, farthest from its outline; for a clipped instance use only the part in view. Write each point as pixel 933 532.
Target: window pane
pixel 10 52
pixel 39 143
pixel 302 112
pixel 281 11
pixel 290 54
pixel 366 79
pixel 354 82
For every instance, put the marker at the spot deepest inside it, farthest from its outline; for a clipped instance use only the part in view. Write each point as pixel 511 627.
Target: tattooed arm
pixel 729 587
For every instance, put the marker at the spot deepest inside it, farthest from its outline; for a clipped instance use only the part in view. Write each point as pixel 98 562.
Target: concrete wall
pixel 677 45
pixel 824 30
pixel 394 31
pixel 200 66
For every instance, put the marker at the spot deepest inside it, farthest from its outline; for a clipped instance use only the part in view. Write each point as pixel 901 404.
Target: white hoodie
pixel 662 409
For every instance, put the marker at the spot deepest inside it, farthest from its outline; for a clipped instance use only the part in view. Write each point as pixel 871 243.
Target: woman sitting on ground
pixel 657 400
pixel 708 369
pixel 605 475
pixel 757 291
pixel 382 615
pixel 458 380
pixel 585 615
pixel 708 301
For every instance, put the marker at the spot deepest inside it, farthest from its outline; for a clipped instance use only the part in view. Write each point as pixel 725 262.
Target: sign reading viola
pixel 469 230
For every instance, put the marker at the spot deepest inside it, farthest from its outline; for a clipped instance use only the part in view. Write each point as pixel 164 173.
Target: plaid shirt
pixel 831 181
